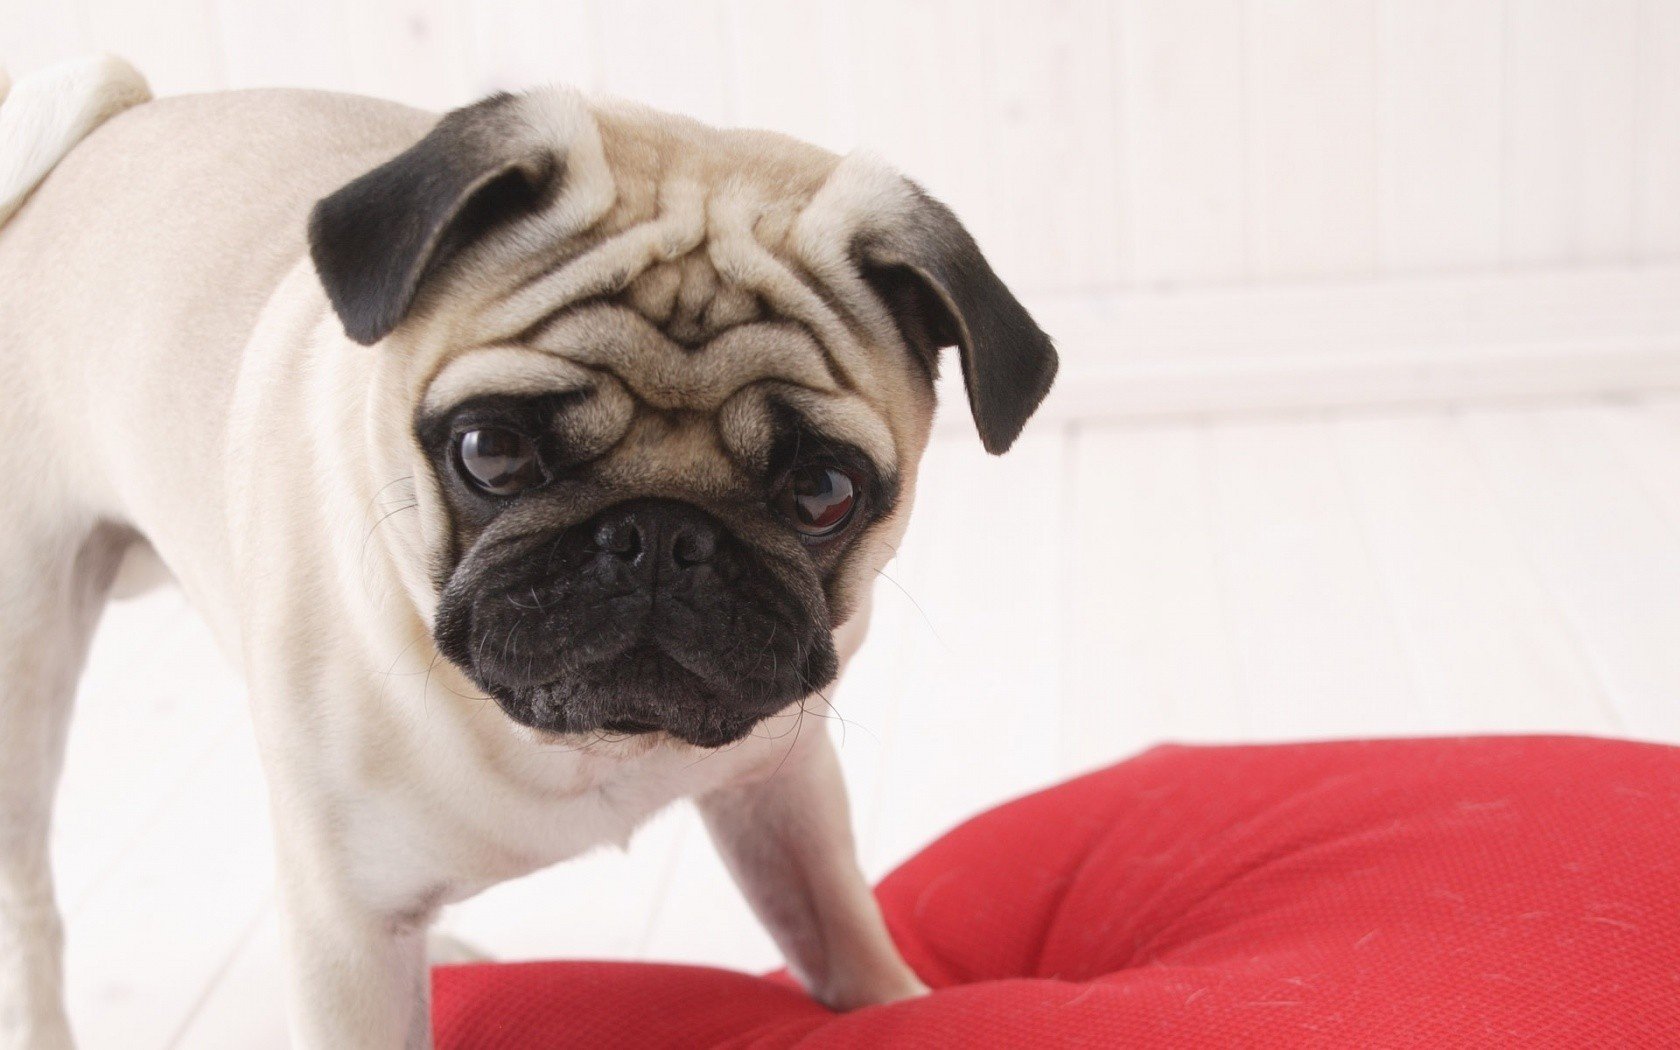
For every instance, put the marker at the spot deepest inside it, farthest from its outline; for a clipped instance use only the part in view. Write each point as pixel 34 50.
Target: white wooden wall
pixel 1092 144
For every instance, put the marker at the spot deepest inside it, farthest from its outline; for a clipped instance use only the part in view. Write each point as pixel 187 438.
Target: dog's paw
pixel 31 997
pixel 875 990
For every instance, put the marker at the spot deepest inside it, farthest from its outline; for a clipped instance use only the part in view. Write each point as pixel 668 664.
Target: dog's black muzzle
pixel 650 616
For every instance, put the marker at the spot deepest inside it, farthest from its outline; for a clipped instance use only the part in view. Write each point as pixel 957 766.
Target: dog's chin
pixel 623 735
pixel 641 703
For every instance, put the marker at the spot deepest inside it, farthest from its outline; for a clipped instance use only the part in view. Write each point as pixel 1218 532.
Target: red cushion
pixel 1480 892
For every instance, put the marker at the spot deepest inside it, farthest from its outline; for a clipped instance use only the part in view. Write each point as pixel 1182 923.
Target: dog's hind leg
pixel 56 565
pixel 52 587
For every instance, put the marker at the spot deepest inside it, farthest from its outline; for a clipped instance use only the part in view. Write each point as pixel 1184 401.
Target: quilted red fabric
pixel 1487 892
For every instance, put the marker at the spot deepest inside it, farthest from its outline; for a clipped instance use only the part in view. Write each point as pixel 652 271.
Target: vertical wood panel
pixel 1438 133
pixel 1602 545
pixel 175 43
pixel 1490 650
pixel 920 95
pixel 520 43
pixel 35 35
pixel 1656 202
pixel 1090 144
pixel 1147 642
pixel 289 44
pixel 1569 131
pixel 1311 138
pixel 1645 435
pixel 788 59
pixel 149 939
pixel 673 56
pixel 1313 632
pixel 414 51
pixel 1051 143
pixel 1182 101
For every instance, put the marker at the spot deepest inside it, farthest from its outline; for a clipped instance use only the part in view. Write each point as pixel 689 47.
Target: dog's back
pixel 46 114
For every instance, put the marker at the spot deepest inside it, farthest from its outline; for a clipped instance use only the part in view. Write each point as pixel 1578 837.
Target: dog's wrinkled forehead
pixel 725 204
pixel 696 278
pixel 725 254
pixel 687 263
pixel 688 295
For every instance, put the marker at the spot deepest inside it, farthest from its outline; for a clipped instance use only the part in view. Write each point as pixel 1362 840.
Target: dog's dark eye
pixel 498 461
pixel 819 501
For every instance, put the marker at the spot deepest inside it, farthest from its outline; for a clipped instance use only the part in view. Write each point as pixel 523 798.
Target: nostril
pixel 619 537
pixel 651 535
pixel 694 547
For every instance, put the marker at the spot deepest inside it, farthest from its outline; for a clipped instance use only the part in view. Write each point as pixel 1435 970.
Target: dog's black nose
pixel 656 534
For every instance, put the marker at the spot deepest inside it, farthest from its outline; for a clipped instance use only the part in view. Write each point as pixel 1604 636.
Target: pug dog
pixel 534 464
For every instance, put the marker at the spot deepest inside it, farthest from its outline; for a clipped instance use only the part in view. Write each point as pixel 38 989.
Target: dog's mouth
pixel 601 647
pixel 644 692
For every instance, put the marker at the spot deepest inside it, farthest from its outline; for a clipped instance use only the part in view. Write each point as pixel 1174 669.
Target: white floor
pixel 1100 589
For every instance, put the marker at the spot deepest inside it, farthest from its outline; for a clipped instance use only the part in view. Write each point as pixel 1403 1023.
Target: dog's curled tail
pixel 47 113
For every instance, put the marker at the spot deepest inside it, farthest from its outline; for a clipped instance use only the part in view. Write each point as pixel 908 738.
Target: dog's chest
pixel 425 849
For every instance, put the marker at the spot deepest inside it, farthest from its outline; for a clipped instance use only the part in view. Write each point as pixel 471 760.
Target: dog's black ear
pixel 379 239
pixel 941 292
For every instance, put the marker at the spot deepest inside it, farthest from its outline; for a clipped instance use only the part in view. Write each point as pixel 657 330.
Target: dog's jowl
pixel 602 419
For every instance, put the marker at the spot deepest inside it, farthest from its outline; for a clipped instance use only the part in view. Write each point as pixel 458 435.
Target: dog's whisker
pixel 835 715
pixel 918 606
pixel 799 723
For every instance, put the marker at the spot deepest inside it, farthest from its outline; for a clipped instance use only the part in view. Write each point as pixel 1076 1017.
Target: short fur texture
pixel 685 310
pixel 51 111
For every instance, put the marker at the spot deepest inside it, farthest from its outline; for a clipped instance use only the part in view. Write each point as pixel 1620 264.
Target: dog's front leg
pixel 787 839
pixel 357 974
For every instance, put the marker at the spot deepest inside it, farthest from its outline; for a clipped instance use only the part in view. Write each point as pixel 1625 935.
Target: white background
pixel 1371 320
